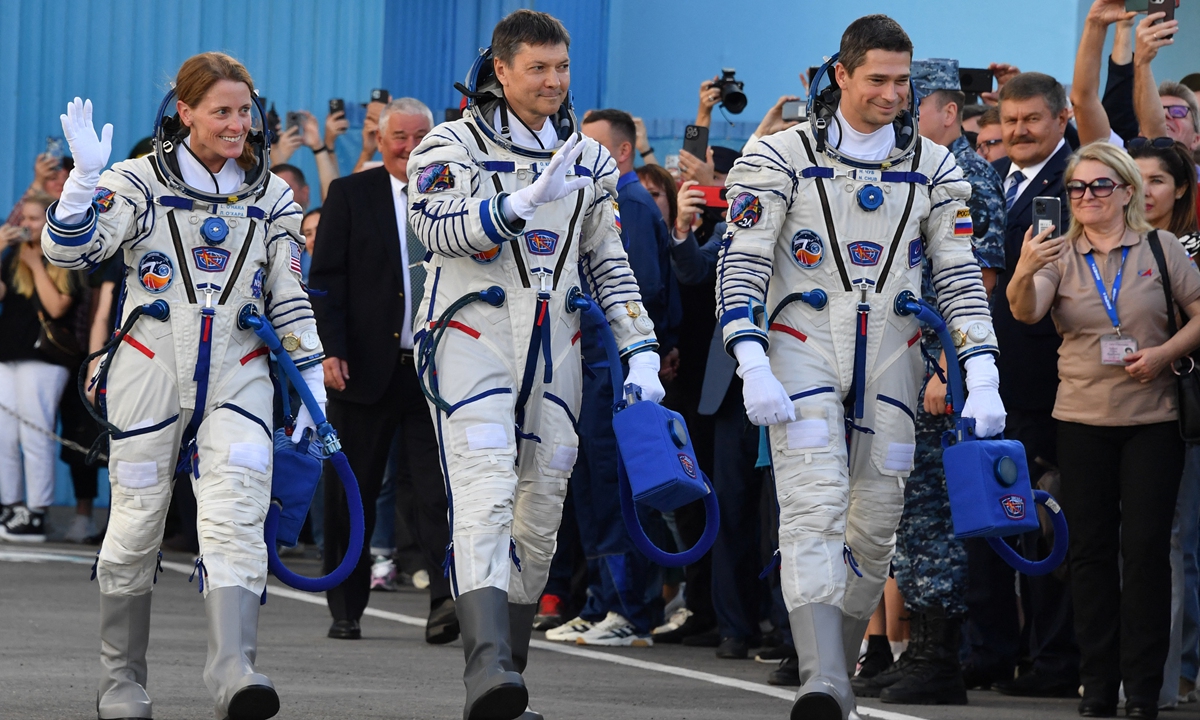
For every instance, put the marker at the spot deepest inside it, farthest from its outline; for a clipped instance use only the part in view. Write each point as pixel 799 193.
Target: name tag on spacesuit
pixel 231 210
pixel 1114 348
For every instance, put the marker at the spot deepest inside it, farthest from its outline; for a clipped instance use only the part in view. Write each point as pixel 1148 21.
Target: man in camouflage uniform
pixel 930 564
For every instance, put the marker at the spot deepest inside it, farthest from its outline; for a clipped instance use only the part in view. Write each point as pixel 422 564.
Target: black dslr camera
pixel 732 96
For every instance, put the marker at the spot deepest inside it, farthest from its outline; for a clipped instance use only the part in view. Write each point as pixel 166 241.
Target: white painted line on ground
pixel 274 590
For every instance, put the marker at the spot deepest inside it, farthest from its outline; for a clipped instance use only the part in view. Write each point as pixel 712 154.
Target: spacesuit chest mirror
pixel 485 95
pixel 170 133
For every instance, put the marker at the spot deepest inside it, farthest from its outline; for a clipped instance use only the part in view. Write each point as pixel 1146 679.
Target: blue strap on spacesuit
pixel 888 176
pixel 188 456
pixel 860 359
pixel 641 429
pixel 295 476
pixel 987 480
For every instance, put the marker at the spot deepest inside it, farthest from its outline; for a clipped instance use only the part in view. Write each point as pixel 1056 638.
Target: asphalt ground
pixel 49 664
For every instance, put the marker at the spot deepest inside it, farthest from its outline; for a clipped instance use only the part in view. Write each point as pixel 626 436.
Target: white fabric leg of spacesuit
pixel 827 498
pixel 493 495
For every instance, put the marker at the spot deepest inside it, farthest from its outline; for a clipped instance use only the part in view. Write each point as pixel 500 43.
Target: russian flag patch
pixel 962 222
pixel 617 215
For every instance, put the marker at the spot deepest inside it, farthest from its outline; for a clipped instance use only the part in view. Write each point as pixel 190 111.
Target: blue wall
pixel 123 55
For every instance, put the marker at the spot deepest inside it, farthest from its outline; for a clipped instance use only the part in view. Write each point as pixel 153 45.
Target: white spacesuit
pixel 494 209
pixel 855 221
pixel 199 380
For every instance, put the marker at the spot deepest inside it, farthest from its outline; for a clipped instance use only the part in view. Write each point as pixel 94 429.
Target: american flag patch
pixel 962 223
pixel 294 260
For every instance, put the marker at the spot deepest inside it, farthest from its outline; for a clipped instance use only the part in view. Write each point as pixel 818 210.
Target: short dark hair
pixel 310 213
pixel 973 111
pixel 529 27
pixel 944 97
pixel 991 116
pixel 620 121
pixel 871 32
pixel 1035 84
pixel 295 171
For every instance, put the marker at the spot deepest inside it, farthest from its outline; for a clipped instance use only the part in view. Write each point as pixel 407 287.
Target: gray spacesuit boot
pixel 240 693
pixel 124 635
pixel 853 631
pixel 495 690
pixel 825 692
pixel 520 627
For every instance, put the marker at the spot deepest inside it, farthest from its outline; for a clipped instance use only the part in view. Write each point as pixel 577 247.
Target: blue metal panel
pixel 428 46
pixel 124 55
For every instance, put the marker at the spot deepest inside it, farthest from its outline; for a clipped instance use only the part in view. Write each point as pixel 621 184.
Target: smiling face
pixel 219 123
pixel 398 138
pixel 1094 212
pixel 1031 131
pixel 33 219
pixel 875 93
pixel 536 81
pixel 1161 192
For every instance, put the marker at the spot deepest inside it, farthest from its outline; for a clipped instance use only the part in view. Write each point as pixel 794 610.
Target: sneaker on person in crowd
pixel 82 528
pixel 24 526
pixel 615 631
pixel 6 513
pixel 549 614
pixel 674 621
pixel 570 631
pixel 383 574
pixel 420 579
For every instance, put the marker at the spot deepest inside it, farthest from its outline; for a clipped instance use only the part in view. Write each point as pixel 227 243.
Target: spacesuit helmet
pixel 484 94
pixel 170 132
pixel 823 104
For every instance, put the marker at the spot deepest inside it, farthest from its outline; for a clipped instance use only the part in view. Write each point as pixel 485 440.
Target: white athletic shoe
pixel 570 631
pixel 676 621
pixel 420 579
pixel 383 574
pixel 615 631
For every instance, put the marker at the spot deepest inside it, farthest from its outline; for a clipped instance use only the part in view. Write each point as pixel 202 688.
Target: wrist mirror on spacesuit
pixel 987 479
pixel 170 133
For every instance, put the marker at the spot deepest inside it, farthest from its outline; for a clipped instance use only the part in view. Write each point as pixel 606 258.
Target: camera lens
pixel 732 96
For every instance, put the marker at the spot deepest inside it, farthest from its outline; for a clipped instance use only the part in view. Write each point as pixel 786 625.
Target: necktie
pixel 1015 180
pixel 416 272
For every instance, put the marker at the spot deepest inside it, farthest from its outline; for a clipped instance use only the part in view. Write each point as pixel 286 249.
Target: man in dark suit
pixel 1033 115
pixel 370 269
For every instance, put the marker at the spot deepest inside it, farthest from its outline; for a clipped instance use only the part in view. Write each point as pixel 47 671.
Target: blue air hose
pixel 712 522
pixel 909 304
pixel 333 449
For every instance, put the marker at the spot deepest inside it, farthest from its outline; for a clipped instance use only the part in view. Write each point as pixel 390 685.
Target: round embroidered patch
pixel 156 272
pixel 808 249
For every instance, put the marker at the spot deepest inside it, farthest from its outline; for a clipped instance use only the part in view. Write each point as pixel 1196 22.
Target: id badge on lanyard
pixel 1113 347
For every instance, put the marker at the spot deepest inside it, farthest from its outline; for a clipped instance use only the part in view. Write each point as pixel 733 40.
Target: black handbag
pixel 56 341
pixel 1187 375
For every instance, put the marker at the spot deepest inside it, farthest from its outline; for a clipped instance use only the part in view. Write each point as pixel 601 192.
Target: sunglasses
pixel 1159 143
pixel 1101 188
pixel 986 144
pixel 1178 112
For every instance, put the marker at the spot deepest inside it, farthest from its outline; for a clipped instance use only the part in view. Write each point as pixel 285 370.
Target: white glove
pixel 643 372
pixel 314 378
pixel 983 396
pixel 767 403
pixel 90 154
pixel 551 185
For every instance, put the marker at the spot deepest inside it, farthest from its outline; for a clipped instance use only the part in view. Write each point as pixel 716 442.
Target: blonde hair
pixel 1117 160
pixel 64 280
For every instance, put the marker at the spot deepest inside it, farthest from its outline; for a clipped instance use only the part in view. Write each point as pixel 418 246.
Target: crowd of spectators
pixel 1119 622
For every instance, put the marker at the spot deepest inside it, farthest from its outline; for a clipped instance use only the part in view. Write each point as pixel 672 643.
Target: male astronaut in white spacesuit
pixel 208 237
pixel 500 199
pixel 850 203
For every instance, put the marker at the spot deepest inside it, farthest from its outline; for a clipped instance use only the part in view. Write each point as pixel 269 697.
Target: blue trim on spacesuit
pixel 738 313
pixel 246 414
pixel 563 404
pixel 146 430
pixel 71 235
pixel 480 396
pixel 814 391
pixel 896 403
pixel 179 203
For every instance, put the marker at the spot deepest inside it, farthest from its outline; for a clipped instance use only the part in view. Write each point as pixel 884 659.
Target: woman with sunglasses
pixel 1170 181
pixel 1119 448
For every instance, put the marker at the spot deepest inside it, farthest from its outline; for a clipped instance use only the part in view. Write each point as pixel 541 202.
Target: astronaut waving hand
pixel 209 237
pixel 511 197
pixel 836 218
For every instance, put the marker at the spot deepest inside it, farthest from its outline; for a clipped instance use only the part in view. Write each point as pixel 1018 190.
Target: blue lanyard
pixel 1110 303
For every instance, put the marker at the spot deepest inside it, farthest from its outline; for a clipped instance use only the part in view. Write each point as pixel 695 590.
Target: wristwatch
pixel 309 340
pixel 290 342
